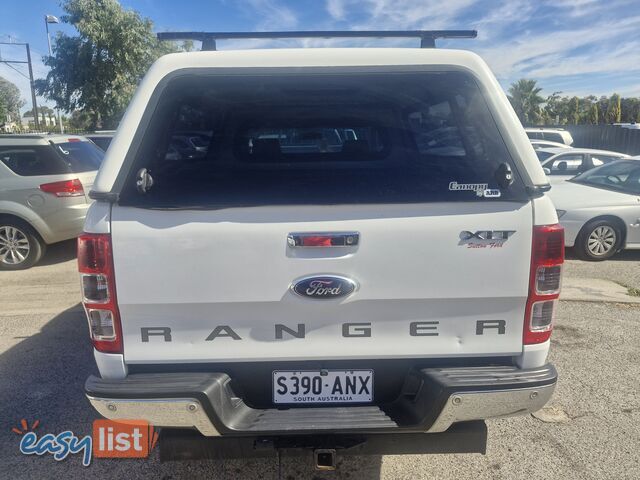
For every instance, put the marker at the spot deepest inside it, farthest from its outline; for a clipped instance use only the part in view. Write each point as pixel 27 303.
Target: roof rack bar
pixel 427 37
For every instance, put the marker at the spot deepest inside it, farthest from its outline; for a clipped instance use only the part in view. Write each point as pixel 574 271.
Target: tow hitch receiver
pixel 325 459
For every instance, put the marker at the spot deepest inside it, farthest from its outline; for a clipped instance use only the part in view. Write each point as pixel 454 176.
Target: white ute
pixel 362 248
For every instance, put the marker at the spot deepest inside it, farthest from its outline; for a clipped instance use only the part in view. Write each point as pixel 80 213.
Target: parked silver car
pixel 563 163
pixel 44 186
pixel 600 210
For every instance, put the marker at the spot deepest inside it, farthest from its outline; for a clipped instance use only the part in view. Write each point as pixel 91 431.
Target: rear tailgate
pixel 227 274
pixel 411 161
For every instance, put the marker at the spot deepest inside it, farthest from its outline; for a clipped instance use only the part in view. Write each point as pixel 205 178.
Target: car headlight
pixel 560 213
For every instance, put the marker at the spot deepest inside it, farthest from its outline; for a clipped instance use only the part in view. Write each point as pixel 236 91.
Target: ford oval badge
pixel 324 287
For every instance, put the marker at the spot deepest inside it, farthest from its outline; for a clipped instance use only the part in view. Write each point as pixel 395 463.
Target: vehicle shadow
pixel 42 377
pixel 59 252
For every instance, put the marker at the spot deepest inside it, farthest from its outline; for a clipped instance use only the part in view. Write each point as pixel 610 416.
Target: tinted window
pixel 535 135
pixel 33 160
pixel 570 164
pixel 554 137
pixel 101 141
pixel 200 141
pixel 598 159
pixel 321 139
pixel 623 176
pixel 542 156
pixel 80 156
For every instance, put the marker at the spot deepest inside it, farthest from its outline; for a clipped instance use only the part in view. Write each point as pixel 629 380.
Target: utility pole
pixel 36 117
pixel 47 20
pixel 36 120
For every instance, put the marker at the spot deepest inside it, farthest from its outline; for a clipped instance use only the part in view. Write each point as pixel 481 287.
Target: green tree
pixel 97 71
pixel 79 120
pixel 552 109
pixel 42 110
pixel 574 110
pixel 525 98
pixel 614 110
pixel 593 114
pixel 603 107
pixel 3 112
pixel 10 101
pixel 630 109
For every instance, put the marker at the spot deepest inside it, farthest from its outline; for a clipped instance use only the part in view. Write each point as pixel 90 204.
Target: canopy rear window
pixel 226 141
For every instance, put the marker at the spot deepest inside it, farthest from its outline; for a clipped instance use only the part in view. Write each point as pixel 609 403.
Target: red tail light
pixel 544 282
pixel 66 188
pixel 95 263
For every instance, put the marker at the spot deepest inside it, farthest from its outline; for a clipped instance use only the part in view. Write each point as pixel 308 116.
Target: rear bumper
pixel 431 400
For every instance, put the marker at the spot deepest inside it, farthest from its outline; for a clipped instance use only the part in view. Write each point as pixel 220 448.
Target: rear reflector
pixel 66 188
pixel 95 263
pixel 545 279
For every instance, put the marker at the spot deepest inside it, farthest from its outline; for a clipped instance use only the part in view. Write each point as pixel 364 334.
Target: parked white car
pixel 554 134
pixel 538 144
pixel 563 163
pixel 600 210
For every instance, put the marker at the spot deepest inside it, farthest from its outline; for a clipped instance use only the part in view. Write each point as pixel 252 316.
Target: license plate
pixel 326 386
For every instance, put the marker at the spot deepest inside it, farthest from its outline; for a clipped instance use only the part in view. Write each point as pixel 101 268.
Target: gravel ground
pixel 590 430
pixel 624 268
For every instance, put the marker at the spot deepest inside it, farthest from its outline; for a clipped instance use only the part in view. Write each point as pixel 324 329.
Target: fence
pixel 52 130
pixel 605 137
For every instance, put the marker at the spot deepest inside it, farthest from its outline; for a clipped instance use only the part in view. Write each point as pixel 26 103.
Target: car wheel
pixel 598 240
pixel 20 246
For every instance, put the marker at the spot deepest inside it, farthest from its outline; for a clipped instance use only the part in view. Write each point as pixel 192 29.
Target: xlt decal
pixel 485 238
pixel 349 330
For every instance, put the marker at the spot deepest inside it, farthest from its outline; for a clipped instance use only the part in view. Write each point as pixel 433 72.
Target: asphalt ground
pixel 590 429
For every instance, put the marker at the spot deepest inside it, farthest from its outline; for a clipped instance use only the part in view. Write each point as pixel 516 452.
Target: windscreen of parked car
pixel 321 139
pixel 622 176
pixel 598 159
pixel 80 156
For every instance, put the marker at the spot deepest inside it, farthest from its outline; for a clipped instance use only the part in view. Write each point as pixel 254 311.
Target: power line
pixel 14 68
pixel 31 84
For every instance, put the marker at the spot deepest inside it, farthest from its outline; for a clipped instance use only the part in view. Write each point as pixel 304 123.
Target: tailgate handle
pixel 323 239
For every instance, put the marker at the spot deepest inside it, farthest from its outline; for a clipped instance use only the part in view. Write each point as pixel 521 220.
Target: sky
pixel 578 47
